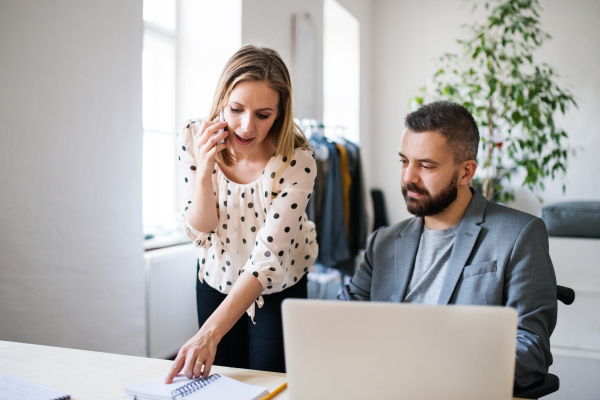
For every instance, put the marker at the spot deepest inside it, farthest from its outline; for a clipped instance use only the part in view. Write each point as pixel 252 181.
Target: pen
pixel 274 392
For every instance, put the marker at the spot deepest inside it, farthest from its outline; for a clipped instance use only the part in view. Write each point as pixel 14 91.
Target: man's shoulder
pixel 495 217
pixel 501 215
pixel 505 225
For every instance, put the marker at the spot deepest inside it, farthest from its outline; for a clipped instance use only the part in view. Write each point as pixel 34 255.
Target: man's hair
pixel 453 121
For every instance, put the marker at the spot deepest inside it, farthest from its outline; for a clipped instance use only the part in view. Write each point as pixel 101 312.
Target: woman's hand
pixel 205 146
pixel 202 348
pixel 198 351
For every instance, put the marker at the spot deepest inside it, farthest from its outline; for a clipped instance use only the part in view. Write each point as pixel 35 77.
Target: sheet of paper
pixel 14 386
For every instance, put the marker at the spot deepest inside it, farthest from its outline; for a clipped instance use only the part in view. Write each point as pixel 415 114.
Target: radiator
pixel 577 332
pixel 170 299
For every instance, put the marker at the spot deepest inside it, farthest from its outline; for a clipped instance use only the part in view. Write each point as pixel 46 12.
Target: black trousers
pixel 255 346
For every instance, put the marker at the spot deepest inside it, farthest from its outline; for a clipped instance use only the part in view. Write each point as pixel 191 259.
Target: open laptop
pixel 369 350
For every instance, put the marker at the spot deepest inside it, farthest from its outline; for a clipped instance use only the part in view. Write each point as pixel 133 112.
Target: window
pixel 341 70
pixel 158 112
pixel 178 83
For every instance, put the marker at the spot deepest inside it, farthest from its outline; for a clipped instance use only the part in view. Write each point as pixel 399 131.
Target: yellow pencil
pixel 274 392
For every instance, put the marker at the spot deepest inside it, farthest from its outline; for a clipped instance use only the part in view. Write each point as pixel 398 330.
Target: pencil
pixel 274 392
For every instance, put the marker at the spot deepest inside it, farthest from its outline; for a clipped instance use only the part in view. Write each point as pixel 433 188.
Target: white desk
pixel 93 375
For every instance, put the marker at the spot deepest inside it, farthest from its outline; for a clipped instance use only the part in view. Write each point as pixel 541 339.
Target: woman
pixel 245 201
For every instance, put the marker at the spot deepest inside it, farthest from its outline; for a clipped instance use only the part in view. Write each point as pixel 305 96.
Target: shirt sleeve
pixel 187 168
pixel 284 219
pixel 530 288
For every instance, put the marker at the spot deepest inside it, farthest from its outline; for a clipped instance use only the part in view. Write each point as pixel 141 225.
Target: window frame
pixel 172 36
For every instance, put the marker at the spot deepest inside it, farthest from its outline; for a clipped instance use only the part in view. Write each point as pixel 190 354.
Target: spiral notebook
pixel 14 386
pixel 213 387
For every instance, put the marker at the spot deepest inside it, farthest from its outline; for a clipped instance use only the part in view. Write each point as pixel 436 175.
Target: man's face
pixel 428 175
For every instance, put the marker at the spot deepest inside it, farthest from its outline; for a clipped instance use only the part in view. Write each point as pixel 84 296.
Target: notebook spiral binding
pixel 195 385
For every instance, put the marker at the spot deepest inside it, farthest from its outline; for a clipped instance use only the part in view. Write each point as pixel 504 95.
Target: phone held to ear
pixel 221 119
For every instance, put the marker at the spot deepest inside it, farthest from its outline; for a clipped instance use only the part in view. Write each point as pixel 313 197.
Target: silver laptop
pixel 369 350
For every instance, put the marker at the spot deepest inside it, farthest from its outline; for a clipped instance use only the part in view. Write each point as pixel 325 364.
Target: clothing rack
pixel 341 206
pixel 314 128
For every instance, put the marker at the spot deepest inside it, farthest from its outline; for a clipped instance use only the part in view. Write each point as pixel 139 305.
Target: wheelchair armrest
pixel 565 294
pixel 549 384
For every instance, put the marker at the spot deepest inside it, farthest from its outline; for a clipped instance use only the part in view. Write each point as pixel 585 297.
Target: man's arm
pixel 530 288
pixel 359 287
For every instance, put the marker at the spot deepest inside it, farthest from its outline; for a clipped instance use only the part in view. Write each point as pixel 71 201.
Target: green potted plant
pixel 513 99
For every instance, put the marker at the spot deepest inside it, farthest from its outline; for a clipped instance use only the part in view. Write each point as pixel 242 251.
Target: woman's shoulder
pixel 301 164
pixel 185 134
pixel 303 156
pixel 190 124
pixel 187 129
pixel 300 156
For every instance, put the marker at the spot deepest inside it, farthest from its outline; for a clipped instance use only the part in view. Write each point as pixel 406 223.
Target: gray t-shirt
pixel 431 264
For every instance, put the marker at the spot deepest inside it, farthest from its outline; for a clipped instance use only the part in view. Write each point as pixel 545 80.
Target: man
pixel 460 248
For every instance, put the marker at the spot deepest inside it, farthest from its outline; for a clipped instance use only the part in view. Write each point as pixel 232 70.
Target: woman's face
pixel 250 113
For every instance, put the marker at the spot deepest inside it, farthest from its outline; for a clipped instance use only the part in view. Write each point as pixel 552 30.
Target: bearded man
pixel 460 248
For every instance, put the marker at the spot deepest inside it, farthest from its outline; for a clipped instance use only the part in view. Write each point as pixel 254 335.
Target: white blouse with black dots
pixel 262 227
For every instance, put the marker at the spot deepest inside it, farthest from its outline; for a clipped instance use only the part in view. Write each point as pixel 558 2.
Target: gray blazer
pixel 500 257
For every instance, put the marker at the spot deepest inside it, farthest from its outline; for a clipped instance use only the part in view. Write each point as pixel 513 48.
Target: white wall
pixel 71 267
pixel 271 24
pixel 574 51
pixel 198 76
pixel 409 36
pixel 363 11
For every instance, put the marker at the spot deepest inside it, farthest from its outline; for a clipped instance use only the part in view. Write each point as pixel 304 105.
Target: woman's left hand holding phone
pixel 206 147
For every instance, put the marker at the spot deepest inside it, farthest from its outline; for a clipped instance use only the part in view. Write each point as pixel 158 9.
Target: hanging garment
pixel 315 205
pixel 359 221
pixel 332 240
pixel 346 183
pixel 381 219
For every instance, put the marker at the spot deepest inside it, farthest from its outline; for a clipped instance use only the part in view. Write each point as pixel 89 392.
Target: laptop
pixel 371 350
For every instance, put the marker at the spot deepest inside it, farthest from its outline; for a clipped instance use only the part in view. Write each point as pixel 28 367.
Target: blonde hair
pixel 261 64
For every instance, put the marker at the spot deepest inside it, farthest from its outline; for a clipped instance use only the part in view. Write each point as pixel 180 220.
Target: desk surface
pixel 93 375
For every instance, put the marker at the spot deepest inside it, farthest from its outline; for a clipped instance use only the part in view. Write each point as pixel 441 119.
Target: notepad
pixel 213 387
pixel 14 386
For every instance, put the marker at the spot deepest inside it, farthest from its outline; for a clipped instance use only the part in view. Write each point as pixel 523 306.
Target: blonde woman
pixel 245 211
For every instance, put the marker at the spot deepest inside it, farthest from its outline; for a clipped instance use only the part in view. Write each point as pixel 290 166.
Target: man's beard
pixel 427 206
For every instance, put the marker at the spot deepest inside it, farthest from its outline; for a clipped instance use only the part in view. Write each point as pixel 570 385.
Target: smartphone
pixel 221 119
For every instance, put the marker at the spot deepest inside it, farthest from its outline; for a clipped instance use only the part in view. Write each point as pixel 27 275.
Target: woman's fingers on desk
pixel 207 367
pixel 200 352
pixel 194 359
pixel 198 367
pixel 177 366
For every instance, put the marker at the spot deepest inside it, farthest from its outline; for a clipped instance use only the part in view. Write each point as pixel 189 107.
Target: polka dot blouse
pixel 262 227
